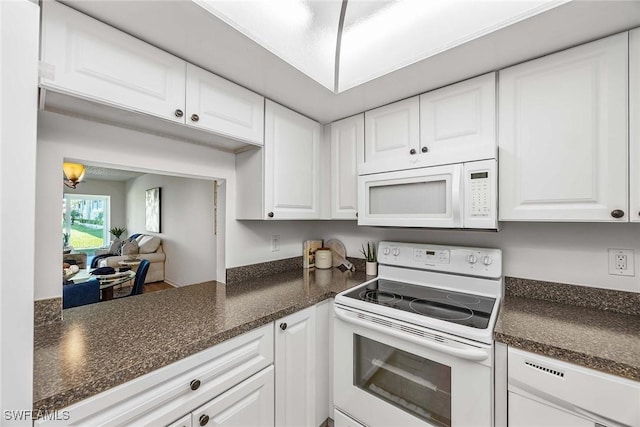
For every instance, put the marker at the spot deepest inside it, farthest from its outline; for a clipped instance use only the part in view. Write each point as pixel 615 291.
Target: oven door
pixel 425 197
pixel 392 378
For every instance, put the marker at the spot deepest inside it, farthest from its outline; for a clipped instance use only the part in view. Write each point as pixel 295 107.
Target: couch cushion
pixel 148 244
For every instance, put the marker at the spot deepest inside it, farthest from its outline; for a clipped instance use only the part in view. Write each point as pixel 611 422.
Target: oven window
pixel 416 198
pixel 414 384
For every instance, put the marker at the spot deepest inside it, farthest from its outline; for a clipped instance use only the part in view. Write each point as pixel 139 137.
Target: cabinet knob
pixel 617 213
pixel 283 326
pixel 195 117
pixel 356 214
pixel 195 384
pixel 424 149
pixel 204 419
pixel 178 113
pixel 412 151
pixel 270 214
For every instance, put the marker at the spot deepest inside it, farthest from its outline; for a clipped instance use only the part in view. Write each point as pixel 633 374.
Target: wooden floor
pixel 148 287
pixel 156 286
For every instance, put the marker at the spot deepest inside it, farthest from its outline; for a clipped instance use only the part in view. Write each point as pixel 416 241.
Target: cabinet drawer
pixel 585 392
pixel 166 394
pixel 247 404
pixel 87 58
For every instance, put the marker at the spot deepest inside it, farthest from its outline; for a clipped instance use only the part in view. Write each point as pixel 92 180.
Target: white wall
pixel 186 224
pixel 100 187
pixel 62 137
pixel 18 107
pixel 573 253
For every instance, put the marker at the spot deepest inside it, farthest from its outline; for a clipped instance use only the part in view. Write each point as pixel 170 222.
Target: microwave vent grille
pixel 404 328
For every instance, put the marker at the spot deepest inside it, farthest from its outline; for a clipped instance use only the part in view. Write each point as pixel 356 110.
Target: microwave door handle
pixel 456 199
pixel 468 354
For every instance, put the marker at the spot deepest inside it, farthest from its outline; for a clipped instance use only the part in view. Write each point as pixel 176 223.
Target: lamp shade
pixel 74 172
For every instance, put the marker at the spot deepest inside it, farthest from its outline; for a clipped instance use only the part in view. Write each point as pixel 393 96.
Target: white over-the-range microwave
pixel 459 195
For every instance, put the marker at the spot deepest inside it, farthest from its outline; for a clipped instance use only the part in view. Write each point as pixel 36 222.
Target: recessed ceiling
pixel 187 30
pixel 343 44
pixel 107 174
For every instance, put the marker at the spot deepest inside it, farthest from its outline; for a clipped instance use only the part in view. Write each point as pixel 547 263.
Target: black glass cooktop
pixel 457 307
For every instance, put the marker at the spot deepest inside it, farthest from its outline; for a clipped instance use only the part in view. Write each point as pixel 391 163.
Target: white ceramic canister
pixel 324 258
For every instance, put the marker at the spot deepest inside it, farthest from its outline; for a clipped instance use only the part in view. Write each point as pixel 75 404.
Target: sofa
pixel 149 248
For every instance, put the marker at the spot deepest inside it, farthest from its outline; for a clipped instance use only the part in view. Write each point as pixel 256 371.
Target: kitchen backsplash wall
pixel 574 253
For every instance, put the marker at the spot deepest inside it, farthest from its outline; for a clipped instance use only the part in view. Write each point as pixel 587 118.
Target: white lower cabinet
pixel 164 396
pixel 234 383
pixel 295 360
pixel 250 403
pixel 182 422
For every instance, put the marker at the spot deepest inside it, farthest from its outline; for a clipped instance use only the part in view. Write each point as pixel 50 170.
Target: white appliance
pixel 460 195
pixel 414 346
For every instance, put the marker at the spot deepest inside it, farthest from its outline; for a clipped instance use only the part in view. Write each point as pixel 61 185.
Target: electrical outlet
pixel 275 243
pixel 621 262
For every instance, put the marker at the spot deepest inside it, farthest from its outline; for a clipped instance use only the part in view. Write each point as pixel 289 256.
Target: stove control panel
pixel 431 256
pixel 481 262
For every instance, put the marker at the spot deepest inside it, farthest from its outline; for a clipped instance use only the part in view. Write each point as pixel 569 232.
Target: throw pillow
pixel 115 247
pixel 130 247
pixel 148 244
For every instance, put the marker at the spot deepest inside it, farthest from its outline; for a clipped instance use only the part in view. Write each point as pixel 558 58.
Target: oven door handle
pixel 475 354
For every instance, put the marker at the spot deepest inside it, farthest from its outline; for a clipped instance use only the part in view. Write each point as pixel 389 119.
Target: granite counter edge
pixel 609 366
pixel 71 396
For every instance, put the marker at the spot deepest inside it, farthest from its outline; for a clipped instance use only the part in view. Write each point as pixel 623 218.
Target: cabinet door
pixel 634 123
pixel 563 135
pixel 324 356
pixel 457 122
pixel 392 131
pixel 87 58
pixel 347 152
pixel 250 403
pixel 295 361
pixel 292 162
pixel 525 412
pixel 218 105
pixel 182 422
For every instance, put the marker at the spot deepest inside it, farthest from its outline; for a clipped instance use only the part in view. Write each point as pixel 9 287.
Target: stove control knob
pixel 396 252
pixel 472 259
pixel 487 260
pixel 386 251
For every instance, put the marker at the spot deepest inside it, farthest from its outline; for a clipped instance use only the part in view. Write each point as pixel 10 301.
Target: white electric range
pixel 414 346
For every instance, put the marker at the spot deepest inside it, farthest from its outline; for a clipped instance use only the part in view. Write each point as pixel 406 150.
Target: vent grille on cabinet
pixel 542 368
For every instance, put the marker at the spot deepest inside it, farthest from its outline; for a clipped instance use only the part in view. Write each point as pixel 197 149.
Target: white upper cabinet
pixel 563 135
pixel 347 152
pixel 634 123
pixel 218 105
pixel 457 122
pixel 85 57
pixel 291 164
pixel 393 130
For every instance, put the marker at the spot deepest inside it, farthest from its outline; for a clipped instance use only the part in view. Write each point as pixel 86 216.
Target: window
pixel 85 219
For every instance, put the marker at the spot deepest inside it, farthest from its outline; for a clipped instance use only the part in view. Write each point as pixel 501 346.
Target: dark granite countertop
pixel 604 340
pixel 99 346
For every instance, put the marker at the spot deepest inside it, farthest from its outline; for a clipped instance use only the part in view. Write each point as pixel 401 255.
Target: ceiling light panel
pixel 380 37
pixel 302 33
